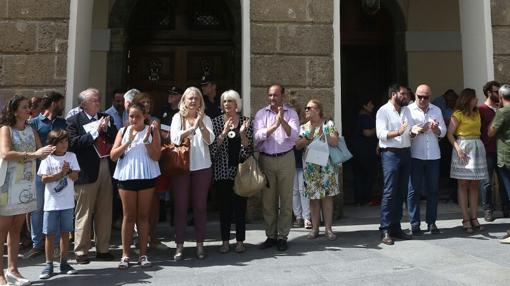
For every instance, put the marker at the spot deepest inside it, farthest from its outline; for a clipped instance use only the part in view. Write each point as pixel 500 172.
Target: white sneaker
pixel 505 241
pixel 144 261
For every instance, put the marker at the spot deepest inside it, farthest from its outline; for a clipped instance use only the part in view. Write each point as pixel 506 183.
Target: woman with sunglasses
pixel 321 182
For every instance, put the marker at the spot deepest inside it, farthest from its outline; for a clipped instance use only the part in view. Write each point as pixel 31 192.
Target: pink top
pixel 278 142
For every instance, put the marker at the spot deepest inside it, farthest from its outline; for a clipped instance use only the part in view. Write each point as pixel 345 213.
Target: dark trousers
pixel 504 173
pixel 230 203
pixel 364 176
pixel 424 181
pixel 486 184
pixel 396 166
pixel 197 184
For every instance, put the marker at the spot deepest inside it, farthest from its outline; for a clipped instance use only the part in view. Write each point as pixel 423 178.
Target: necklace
pixel 231 134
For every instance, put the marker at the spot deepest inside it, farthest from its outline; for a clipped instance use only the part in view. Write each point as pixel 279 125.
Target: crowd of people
pixel 69 173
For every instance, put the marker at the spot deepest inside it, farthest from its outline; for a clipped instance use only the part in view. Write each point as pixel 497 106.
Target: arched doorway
pixel 372 53
pixel 159 43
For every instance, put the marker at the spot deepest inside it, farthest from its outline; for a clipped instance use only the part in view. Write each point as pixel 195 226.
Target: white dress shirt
pixel 425 146
pixel 389 119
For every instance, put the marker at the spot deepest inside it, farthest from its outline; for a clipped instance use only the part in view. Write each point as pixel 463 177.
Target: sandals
pixel 476 225
pixel 466 225
pixel 313 234
pixel 124 263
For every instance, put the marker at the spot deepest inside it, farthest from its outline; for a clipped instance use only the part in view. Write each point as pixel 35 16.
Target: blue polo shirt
pixel 44 125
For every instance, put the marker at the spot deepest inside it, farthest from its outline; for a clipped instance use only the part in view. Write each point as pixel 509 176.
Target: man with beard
pixel 393 129
pixel 487 112
pixel 49 119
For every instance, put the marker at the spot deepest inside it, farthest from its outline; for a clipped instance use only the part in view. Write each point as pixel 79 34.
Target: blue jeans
pixel 486 184
pixel 396 167
pixel 58 221
pixel 37 217
pixel 424 180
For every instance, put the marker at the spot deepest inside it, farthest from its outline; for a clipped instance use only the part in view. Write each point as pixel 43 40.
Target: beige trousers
pixel 277 199
pixel 94 208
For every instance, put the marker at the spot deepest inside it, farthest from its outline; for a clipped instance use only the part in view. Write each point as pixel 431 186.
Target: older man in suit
pixel 90 142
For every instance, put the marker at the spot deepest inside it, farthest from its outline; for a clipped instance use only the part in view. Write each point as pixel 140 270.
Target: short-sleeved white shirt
pixel 64 199
pixel 425 146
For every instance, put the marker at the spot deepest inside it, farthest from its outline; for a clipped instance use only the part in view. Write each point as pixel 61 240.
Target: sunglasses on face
pixel 308 108
pixel 423 97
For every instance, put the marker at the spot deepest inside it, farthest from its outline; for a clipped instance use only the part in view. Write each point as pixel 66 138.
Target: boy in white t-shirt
pixel 58 172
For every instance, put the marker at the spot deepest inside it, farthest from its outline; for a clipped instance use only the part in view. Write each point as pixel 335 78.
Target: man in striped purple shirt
pixel 276 129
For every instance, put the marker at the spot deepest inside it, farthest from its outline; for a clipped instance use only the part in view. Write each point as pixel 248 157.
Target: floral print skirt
pixel 320 181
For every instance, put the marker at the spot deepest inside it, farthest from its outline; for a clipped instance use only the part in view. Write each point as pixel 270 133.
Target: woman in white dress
pixel 19 147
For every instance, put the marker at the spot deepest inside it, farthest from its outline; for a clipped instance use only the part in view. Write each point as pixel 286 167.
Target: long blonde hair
pixel 183 110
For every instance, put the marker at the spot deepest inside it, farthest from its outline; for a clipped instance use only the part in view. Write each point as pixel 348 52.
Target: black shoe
pixel 416 232
pixel 432 228
pixel 82 259
pixel 281 244
pixel 488 216
pixel 386 238
pixel 506 213
pixel 270 242
pixel 107 256
pixel 34 252
pixel 401 235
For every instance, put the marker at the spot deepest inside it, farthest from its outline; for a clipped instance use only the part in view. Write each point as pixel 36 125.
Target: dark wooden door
pixel 182 41
pixel 366 56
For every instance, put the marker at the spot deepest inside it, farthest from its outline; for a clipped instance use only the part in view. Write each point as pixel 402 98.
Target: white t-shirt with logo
pixel 55 197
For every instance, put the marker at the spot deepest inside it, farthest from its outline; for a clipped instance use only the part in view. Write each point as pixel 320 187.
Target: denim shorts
pixel 54 219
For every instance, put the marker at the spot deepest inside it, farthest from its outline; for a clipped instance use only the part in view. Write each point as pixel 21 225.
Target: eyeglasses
pixel 423 97
pixel 309 107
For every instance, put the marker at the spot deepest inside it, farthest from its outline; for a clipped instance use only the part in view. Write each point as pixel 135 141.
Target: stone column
pixel 78 53
pixel 477 49
pixel 292 43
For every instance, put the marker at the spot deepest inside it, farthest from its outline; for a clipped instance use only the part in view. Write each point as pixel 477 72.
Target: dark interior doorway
pixel 372 57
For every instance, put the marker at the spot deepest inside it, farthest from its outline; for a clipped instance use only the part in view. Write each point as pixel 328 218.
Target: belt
pixel 276 154
pixel 393 149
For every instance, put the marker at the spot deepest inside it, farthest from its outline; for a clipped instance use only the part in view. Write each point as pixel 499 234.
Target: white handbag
pixel 318 152
pixel 3 167
pixel 3 171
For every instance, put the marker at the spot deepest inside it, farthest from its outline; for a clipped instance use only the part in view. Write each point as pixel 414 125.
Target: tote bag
pixel 339 153
pixel 3 167
pixel 318 152
pixel 3 171
pixel 249 179
pixel 174 158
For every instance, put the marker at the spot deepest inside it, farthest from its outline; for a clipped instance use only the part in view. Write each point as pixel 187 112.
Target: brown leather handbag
pixel 175 158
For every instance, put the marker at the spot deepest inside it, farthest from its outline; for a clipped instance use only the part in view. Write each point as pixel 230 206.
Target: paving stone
pixel 355 258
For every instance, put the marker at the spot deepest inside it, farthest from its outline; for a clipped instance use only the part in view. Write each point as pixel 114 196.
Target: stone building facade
pixel 292 43
pixel 33 47
pixel 69 45
pixel 500 15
